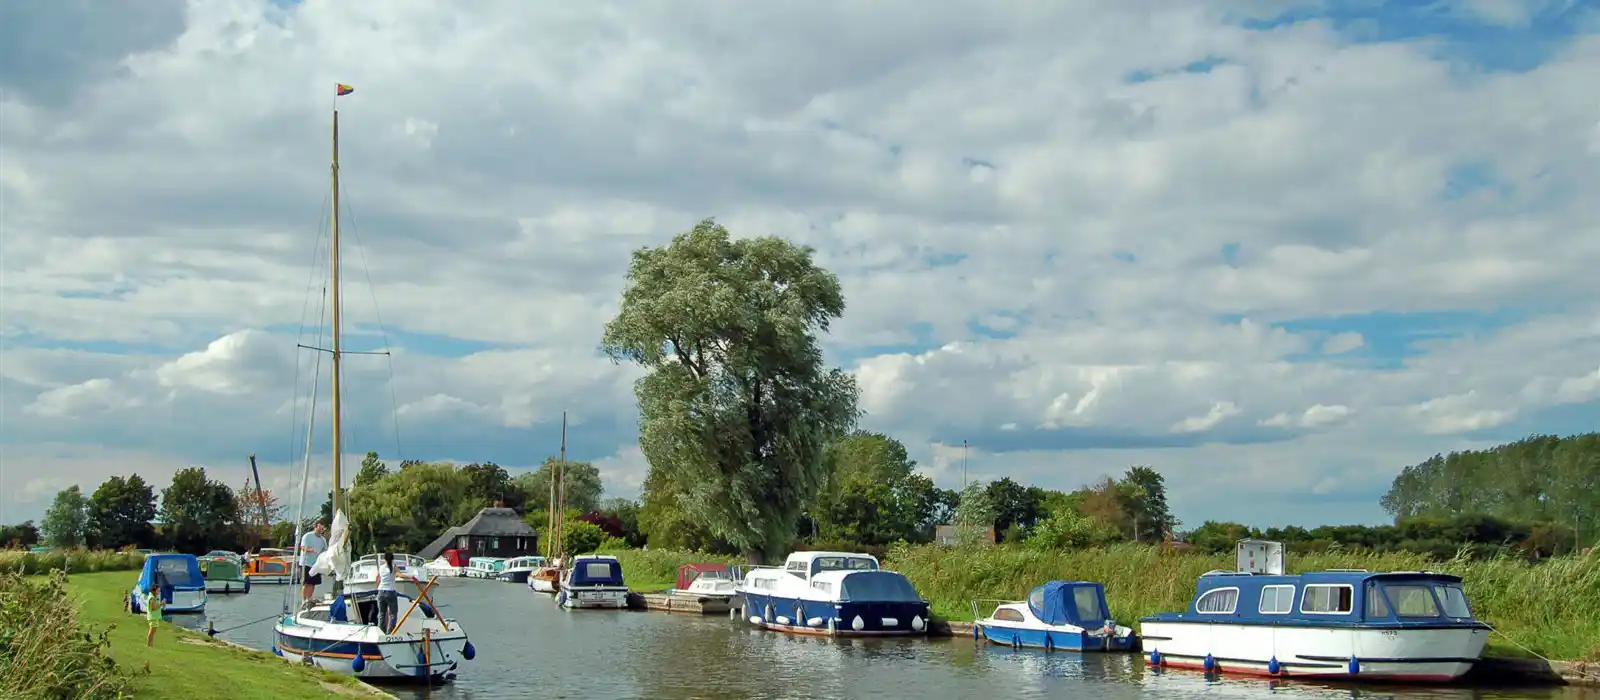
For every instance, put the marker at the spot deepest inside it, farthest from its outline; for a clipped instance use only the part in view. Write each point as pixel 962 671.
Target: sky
pixel 1276 250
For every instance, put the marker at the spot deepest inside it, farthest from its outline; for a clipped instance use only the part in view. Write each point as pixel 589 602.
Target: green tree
pixel 1147 504
pixel 488 482
pixel 372 469
pixel 23 534
pixel 663 520
pixel 409 508
pixel 974 516
pixel 66 523
pixel 579 537
pixel 872 495
pixel 120 513
pixel 627 513
pixel 580 483
pixel 737 404
pixel 197 513
pixel 1015 506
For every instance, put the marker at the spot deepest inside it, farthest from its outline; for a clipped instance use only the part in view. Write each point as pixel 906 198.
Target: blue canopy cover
pixel 173 570
pixel 596 572
pixel 1080 603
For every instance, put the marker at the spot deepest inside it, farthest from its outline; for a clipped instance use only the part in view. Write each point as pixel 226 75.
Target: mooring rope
pixel 214 632
pixel 1542 657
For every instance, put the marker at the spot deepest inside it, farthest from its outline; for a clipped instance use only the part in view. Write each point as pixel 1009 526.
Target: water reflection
pixel 529 647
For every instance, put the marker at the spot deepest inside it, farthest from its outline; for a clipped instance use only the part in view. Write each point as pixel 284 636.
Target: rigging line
pixel 305 311
pixel 383 330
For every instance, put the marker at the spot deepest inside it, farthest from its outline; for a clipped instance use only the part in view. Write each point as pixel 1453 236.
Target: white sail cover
pixel 336 558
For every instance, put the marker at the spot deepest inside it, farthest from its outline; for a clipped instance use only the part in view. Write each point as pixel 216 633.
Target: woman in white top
pixel 388 598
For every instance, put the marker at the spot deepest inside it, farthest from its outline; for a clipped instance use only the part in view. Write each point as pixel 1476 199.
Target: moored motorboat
pixel 1412 626
pixel 1066 615
pixel 485 567
pixel 709 581
pixel 593 581
pixel 545 580
pixel 517 569
pixel 176 579
pixel 270 566
pixel 224 576
pixel 408 569
pixel 833 593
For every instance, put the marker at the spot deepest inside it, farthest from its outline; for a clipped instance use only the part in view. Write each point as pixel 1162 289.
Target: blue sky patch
pixel 1392 337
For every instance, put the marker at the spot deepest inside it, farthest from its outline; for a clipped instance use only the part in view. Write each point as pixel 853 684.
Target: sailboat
pixel 548 578
pixel 340 632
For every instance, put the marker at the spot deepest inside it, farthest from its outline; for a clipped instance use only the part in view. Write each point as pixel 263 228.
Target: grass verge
pixel 72 561
pixel 184 664
pixel 1551 608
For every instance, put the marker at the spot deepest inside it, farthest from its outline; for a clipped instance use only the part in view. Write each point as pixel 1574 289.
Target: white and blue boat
pixel 1352 624
pixel 835 594
pixel 176 578
pixel 593 581
pixel 1065 615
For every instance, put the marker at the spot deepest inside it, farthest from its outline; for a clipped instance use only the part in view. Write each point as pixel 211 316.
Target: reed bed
pixel 46 652
pixel 1551 608
pixel 71 561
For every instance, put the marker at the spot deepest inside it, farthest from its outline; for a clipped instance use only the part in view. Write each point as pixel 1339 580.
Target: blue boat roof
pixel 1081 603
pixel 1351 576
pixel 175 570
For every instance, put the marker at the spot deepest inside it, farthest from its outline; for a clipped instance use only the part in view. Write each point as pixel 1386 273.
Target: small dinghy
pixel 1066 615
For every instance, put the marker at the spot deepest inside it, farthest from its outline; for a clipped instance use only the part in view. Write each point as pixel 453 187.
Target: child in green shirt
pixel 152 613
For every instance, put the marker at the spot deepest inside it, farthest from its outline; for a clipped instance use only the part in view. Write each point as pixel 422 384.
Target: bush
pixel 45 654
pixel 581 537
pixel 70 561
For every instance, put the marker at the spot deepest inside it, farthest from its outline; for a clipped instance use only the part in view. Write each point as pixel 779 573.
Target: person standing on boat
pixel 311 544
pixel 388 597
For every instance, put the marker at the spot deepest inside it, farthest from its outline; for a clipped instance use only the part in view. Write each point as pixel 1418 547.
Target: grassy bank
pixel 1552 608
pixel 657 569
pixel 184 664
pixel 72 561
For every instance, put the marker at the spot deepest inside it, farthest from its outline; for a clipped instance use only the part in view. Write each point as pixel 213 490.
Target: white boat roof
pixel 594 557
pixel 808 557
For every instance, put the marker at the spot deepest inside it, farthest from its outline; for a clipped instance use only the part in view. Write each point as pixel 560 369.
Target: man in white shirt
pixel 311 545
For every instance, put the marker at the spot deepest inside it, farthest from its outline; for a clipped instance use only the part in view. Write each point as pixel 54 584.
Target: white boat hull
pixel 1440 654
pixel 183 601
pixel 395 660
pixel 541 585
pixel 585 598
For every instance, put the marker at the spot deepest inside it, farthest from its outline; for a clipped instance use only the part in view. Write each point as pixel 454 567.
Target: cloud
pixel 1286 250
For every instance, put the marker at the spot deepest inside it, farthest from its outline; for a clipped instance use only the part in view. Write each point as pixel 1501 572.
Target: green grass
pixel 648 570
pixel 184 664
pixel 1551 608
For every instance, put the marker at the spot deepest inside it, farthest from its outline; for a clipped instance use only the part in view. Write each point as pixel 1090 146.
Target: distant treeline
pixel 871 498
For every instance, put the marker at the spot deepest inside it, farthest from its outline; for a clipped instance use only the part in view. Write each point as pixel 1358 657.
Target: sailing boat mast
pixel 333 266
pixel 561 488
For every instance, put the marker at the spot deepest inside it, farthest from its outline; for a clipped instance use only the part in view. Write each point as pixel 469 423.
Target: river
pixel 528 647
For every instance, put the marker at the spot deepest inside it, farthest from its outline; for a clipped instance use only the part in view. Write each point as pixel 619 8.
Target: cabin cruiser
pixel 593 581
pixel 176 579
pixel 271 566
pixel 707 581
pixel 517 569
pixel 1067 615
pixel 485 567
pixel 225 577
pixel 1342 623
pixel 833 593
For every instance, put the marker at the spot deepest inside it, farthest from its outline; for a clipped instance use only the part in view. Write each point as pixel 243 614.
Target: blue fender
pixel 468 652
pixel 359 663
pixel 1273 667
pixel 1155 657
pixel 1210 663
pixel 1355 666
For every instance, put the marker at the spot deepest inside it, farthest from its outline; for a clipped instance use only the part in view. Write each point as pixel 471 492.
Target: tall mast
pixel 561 488
pixel 333 265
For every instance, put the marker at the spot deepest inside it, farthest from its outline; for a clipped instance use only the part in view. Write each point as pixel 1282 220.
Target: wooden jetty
pixel 666 602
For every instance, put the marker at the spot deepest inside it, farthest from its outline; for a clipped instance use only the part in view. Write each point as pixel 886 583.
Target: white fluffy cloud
pixel 1281 255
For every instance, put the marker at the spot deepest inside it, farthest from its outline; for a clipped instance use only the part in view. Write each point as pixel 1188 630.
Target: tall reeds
pixel 45 652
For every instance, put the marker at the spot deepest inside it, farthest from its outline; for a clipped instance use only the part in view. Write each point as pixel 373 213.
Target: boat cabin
pixel 1077 603
pixel 485 567
pixel 689 573
pixel 592 570
pixel 176 579
pixel 805 565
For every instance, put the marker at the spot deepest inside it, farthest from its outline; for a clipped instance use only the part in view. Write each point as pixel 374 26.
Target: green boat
pixel 224 576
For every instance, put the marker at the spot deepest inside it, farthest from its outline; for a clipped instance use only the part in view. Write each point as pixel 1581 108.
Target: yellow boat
pixel 270 566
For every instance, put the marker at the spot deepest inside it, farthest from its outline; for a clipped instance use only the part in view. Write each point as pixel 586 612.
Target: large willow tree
pixel 737 408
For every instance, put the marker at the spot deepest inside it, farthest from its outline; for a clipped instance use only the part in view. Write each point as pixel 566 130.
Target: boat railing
pixel 976 615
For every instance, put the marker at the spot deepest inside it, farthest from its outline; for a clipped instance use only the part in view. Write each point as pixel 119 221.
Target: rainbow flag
pixel 345 89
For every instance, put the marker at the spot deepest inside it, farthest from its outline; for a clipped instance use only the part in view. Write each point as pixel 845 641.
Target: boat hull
pixel 515 576
pixel 1416 654
pixel 876 619
pixel 227 586
pixel 184 601
pixel 1059 638
pixel 399 660
pixel 269 579
pixel 541 585
pixel 595 598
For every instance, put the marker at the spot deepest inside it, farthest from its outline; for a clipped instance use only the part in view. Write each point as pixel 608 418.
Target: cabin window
pixel 274 567
pixel 1412 601
pixel 763 583
pixel 598 569
pixel 1008 614
pixel 1329 599
pixel 1220 601
pixel 1087 601
pixel 823 586
pixel 1454 601
pixel 821 564
pixel 318 615
pixel 1377 607
pixel 1276 600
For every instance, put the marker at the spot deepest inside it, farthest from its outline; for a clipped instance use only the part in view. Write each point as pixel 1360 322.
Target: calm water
pixel 527 646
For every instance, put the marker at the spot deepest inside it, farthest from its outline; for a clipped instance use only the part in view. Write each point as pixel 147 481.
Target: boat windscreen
pixel 1069 603
pixel 878 586
pixel 176 570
